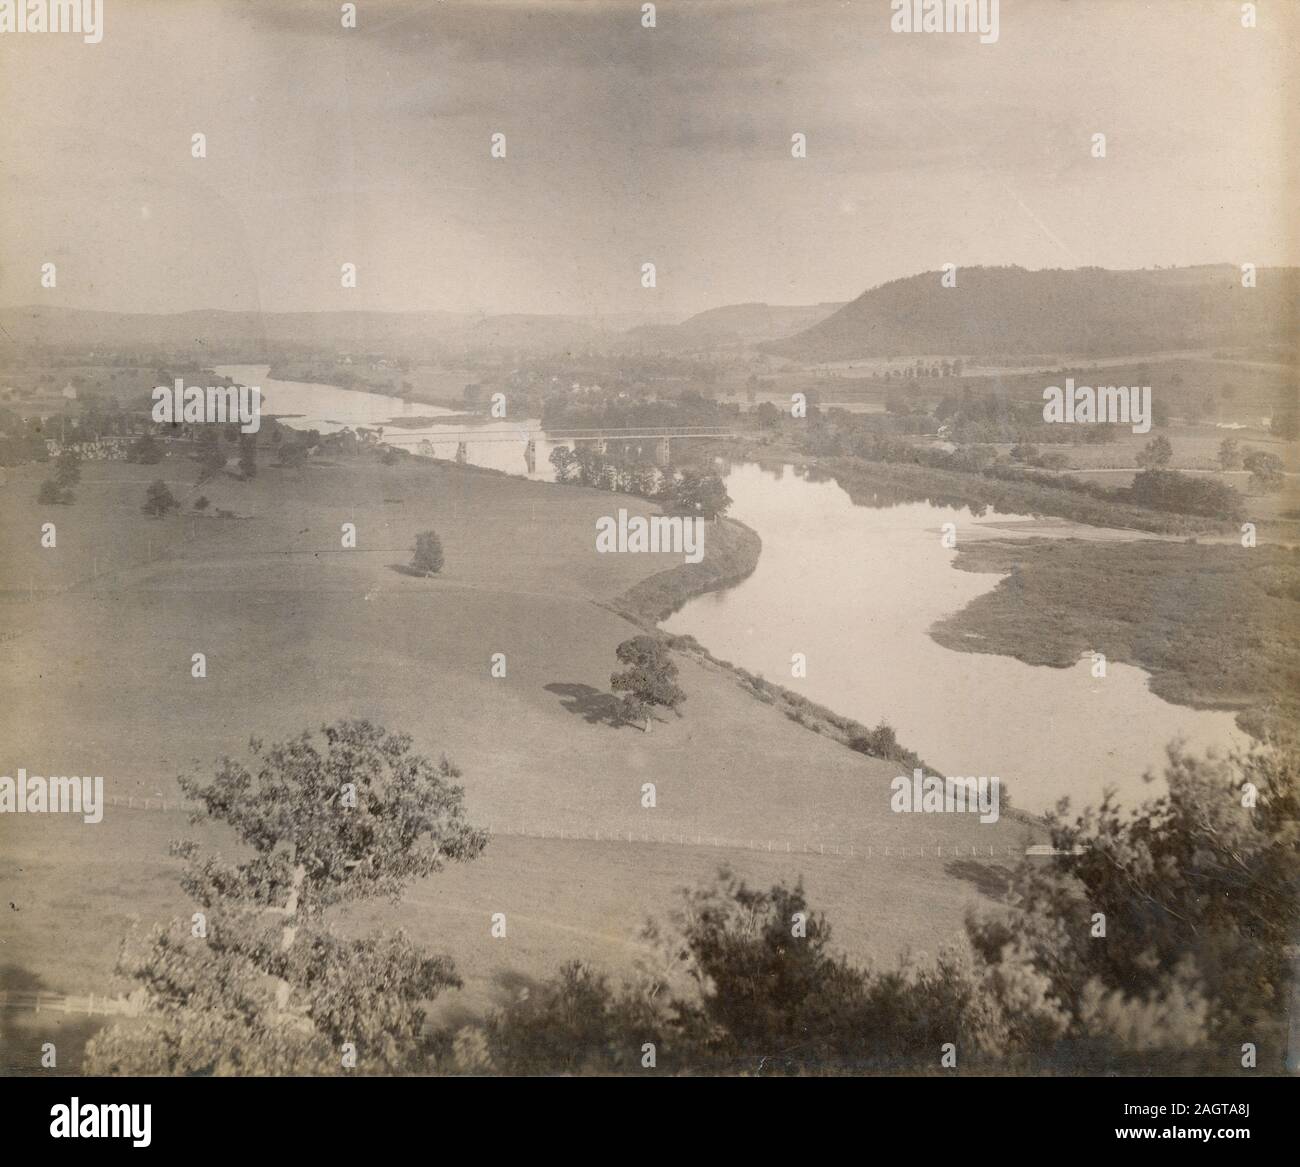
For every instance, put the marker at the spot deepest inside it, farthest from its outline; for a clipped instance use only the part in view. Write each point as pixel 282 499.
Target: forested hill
pixel 1087 311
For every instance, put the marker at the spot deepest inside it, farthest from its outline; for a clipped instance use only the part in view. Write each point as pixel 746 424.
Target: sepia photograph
pixel 708 539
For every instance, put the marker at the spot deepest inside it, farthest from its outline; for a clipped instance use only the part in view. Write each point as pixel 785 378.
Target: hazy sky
pixel 627 145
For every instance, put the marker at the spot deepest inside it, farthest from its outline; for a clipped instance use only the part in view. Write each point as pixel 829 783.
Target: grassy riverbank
pixel 978 490
pixel 1214 625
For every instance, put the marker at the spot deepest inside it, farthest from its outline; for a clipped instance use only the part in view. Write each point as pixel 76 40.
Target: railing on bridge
pixel 525 433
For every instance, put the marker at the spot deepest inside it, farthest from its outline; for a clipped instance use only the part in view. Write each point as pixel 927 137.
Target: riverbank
pixel 1213 625
pixel 1012 490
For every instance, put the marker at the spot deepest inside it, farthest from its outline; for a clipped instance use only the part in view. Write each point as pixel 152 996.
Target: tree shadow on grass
pixel 595 707
pixel 24 1032
pixel 991 879
pixel 407 569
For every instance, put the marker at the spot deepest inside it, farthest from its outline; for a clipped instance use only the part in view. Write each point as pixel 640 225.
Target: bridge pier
pixel 530 456
pixel 665 451
pixel 462 453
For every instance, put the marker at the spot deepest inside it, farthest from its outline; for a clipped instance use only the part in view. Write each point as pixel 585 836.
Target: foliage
pixel 1198 895
pixel 67 469
pixel 696 493
pixel 1229 454
pixel 248 455
pixel 158 499
pixel 649 680
pixel 1168 490
pixel 1265 470
pixel 427 557
pixel 269 987
pixel 1156 454
pixel 212 459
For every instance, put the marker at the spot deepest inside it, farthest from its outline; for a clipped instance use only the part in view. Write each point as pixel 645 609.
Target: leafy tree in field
pixel 1229 454
pixel 1168 490
pixel 1156 454
pixel 146 450
pixel 248 455
pixel 201 503
pixel 1265 470
pixel 564 463
pixel 1023 452
pixel 427 558
pixel 158 500
pixel 293 454
pixel 649 680
pixel 67 469
pixel 270 987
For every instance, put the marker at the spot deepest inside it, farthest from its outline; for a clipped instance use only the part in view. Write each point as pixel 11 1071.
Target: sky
pixel 628 145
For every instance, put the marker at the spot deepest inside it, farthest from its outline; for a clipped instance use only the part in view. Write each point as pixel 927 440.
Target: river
pixel 856 588
pixel 328 408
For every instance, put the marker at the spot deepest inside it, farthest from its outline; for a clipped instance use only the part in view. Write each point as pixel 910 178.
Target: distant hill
pixel 220 330
pixel 251 332
pixel 1088 311
pixel 733 324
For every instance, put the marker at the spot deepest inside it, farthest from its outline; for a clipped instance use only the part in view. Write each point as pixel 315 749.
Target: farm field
pixel 298 631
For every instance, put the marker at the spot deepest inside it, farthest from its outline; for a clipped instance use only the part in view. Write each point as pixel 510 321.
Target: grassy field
pixel 1195 448
pixel 96 637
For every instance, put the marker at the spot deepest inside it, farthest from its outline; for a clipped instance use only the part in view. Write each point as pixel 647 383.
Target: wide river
pixel 855 589
pixel 327 408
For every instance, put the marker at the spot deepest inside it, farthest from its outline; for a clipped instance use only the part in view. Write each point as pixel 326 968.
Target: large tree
pixel 649 680
pixel 67 470
pixel 1266 473
pixel 697 493
pixel 158 499
pixel 1229 454
pixel 427 557
pixel 257 982
pixel 1156 454
pixel 248 455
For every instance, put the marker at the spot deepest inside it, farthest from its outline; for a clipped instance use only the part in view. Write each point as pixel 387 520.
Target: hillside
pixel 1010 311
pixel 249 333
pixel 734 324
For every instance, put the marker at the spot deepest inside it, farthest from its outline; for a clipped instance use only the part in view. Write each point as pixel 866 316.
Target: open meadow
pixel 298 630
